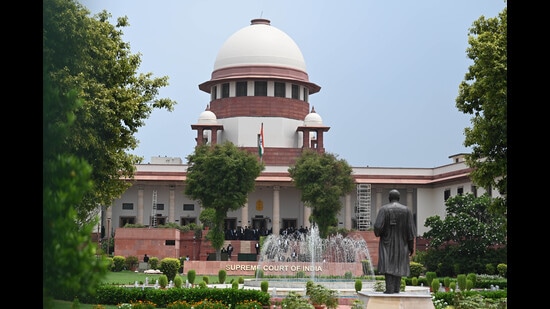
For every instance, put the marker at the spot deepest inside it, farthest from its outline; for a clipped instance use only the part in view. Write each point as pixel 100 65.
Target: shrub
pixel 259 273
pixel 502 270
pixel 435 285
pixel 461 281
pixel 430 275
pixel 178 282
pixel 118 263
pixel 163 281
pixel 169 267
pixel 414 281
pixel 202 284
pixel 416 269
pixel 191 275
pixel 472 277
pixel 241 280
pixel 358 285
pixel 348 275
pixel 295 301
pixel 300 274
pixel 154 262
pixel 490 269
pixel 469 284
pixel 264 286
pixel 205 279
pixel 446 281
pixel 131 262
pixel 234 285
pixel 452 286
pixel 222 274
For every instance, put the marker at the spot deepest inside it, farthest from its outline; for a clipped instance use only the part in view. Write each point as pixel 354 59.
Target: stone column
pixel 307 213
pixel 140 207
pixel 379 202
pixel 347 212
pixel 244 214
pixel 276 207
pixel 172 204
pixel 410 199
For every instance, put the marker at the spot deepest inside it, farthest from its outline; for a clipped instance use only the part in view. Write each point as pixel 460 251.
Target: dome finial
pixel 313 109
pixel 207 107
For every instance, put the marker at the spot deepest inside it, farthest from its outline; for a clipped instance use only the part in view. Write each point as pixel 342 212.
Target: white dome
pixel 207 117
pixel 313 119
pixel 260 44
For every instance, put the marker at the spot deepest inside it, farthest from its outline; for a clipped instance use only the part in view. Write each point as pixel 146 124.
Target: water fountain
pixel 291 259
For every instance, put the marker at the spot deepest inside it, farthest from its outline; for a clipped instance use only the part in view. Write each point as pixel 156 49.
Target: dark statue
pixel 396 229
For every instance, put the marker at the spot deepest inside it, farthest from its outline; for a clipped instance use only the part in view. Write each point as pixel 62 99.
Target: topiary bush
pixel 222 274
pixel 169 267
pixel 131 262
pixel 435 285
pixel 461 282
pixel 234 285
pixel 163 281
pixel 414 281
pixel 241 280
pixel 417 269
pixel 154 262
pixel 118 263
pixel 358 285
pixel 191 275
pixel 205 279
pixel 430 275
pixel 178 282
pixel 264 286
pixel 502 270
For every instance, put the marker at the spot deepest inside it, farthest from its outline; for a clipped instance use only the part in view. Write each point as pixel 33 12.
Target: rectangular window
pixel 170 242
pixel 280 90
pixel 160 206
pixel 127 206
pixel 225 90
pixel 305 95
pixel 242 89
pixel 474 190
pixel 188 207
pixel 460 191
pixel 214 93
pixel 260 88
pixel 187 221
pixel 295 92
pixel 446 194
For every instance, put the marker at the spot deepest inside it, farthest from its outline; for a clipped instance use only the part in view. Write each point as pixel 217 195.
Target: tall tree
pixel 220 177
pixel 483 93
pixel 468 230
pixel 323 180
pixel 88 54
pixel 69 264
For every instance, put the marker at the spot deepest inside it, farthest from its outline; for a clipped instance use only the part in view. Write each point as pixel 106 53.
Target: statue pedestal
pixel 412 298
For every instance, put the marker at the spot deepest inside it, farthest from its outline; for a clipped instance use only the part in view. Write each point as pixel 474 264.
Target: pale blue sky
pixel 389 70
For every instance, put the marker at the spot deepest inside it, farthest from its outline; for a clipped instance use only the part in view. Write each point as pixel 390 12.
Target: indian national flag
pixel 261 142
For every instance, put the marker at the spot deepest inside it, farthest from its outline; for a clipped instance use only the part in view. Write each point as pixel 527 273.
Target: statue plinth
pixel 412 298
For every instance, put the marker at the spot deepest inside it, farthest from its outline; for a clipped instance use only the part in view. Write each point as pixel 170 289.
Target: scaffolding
pixel 154 210
pixel 362 207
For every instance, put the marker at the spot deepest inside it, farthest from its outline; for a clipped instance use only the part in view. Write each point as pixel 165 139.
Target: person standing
pixel 146 258
pixel 229 251
pixel 257 245
pixel 395 226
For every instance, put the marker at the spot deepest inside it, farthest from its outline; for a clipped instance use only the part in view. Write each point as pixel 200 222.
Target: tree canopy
pixel 88 54
pixel 323 179
pixel 220 177
pixel 483 94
